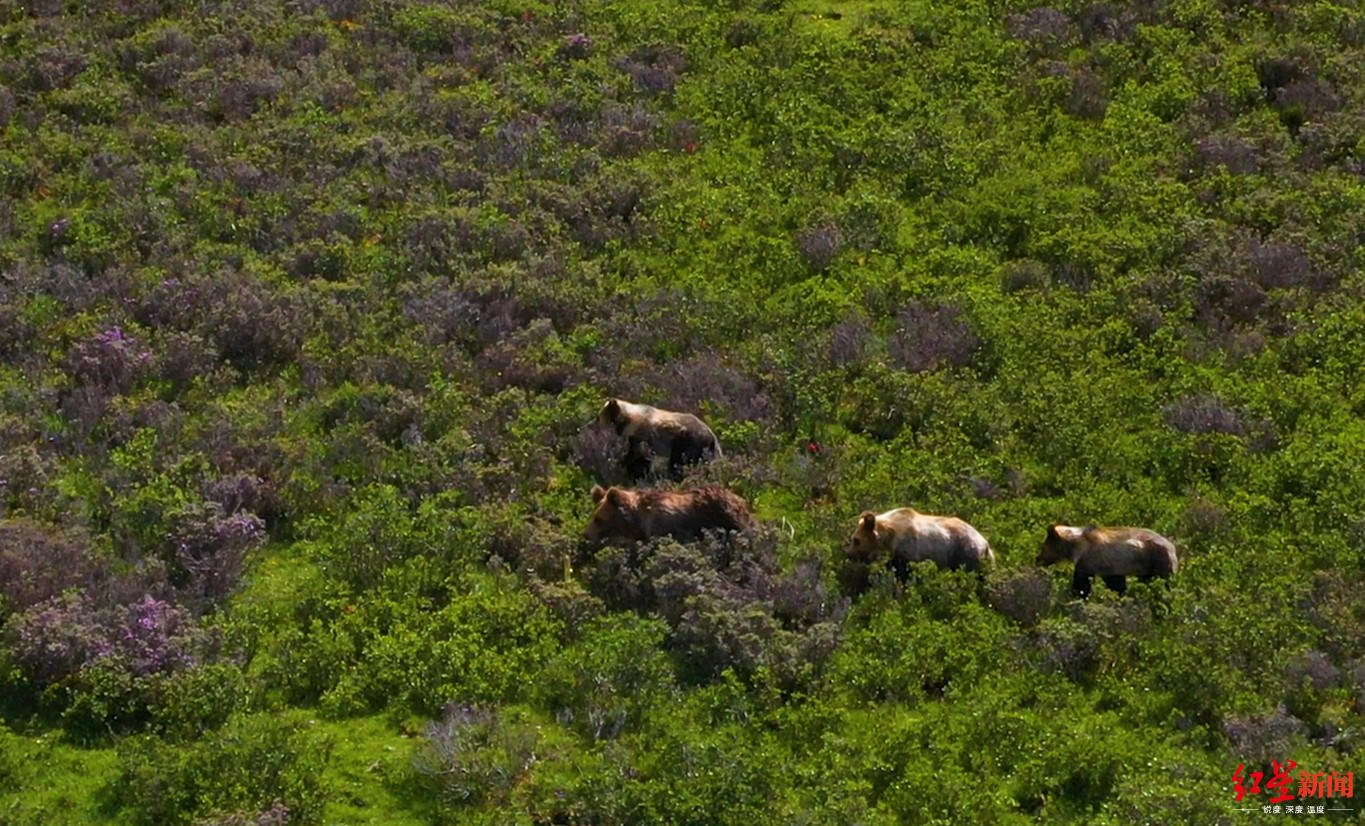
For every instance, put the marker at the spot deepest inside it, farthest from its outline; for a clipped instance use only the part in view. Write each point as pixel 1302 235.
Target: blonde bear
pixel 907 536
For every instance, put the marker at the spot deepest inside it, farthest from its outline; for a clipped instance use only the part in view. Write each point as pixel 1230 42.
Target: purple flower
pixel 928 338
pixel 156 636
pixel 206 549
pixel 576 46
pixel 56 638
pixel 819 244
pixel 59 637
pixel 111 360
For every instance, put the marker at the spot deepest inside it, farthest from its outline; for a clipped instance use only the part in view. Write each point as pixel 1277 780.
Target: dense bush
pixel 258 764
pixel 38 563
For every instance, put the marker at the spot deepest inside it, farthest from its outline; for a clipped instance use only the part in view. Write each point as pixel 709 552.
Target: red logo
pixel 1310 785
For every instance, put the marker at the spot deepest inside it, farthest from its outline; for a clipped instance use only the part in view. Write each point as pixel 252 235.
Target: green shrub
pixel 248 764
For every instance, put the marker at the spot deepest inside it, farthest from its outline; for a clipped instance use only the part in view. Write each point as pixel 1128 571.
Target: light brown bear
pixel 650 432
pixel 638 515
pixel 909 536
pixel 1112 554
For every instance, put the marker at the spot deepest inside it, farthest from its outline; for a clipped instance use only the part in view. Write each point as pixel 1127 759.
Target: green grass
pixel 46 780
pixel 371 759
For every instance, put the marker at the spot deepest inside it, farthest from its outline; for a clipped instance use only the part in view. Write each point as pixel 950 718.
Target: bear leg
pixel 637 466
pixel 677 460
pixel 1080 582
pixel 1118 583
pixel 683 452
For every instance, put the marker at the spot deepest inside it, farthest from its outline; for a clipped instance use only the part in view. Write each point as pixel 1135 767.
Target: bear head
pixel 863 544
pixel 1058 545
pixel 615 517
pixel 611 414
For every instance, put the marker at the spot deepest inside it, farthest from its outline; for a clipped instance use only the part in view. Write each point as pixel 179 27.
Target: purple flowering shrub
pixel 1044 28
pixel 532 358
pixel 1203 414
pixel 206 548
pixel 849 342
pixel 598 451
pixel 38 562
pixel 239 492
pixel 1067 648
pixel 627 131
pixel 1023 595
pixel 249 322
pixel 154 637
pixel 662 325
pixel 819 244
pixel 62 636
pixel 655 68
pixel 707 379
pixel 1094 636
pixel 929 338
pixel 104 667
pixel 1087 98
pixel 1106 21
pixel 1261 738
pixel 1294 89
pixel 277 814
pixel 576 46
pixel 56 638
pixel 1281 264
pixel 1230 152
pixel 1223 302
pixel 112 360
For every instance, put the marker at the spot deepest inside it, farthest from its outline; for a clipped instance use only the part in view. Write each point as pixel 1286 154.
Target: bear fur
pixel 638 515
pixel 650 432
pixel 1112 554
pixel 907 536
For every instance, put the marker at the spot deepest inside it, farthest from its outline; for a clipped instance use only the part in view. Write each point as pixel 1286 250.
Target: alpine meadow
pixel 329 331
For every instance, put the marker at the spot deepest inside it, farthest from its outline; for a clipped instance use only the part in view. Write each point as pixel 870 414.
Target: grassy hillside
pixel 306 307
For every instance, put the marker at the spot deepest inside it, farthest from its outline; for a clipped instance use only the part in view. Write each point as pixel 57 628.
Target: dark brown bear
pixel 1113 554
pixel 637 515
pixel 650 432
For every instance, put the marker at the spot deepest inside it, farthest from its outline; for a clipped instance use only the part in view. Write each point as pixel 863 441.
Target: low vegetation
pixel 306 310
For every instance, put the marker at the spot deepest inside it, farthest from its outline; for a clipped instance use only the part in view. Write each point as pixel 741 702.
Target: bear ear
pixel 616 496
pixel 612 408
pixel 868 520
pixel 598 493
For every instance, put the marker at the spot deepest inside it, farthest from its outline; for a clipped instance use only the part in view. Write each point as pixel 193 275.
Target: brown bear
pixel 638 515
pixel 650 432
pixel 1113 554
pixel 908 536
